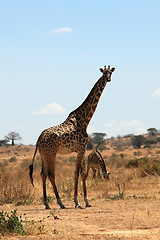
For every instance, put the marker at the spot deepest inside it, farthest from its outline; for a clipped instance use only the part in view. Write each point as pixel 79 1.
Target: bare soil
pixel 132 218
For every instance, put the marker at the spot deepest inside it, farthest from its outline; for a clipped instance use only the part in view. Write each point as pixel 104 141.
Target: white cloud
pixel 59 30
pixel 156 93
pixel 115 128
pixel 123 124
pixel 49 109
pixel 133 123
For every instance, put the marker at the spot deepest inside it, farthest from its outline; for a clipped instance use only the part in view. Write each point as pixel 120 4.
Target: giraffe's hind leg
pixel 43 176
pixel 51 175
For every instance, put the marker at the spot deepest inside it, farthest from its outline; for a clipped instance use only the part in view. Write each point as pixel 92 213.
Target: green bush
pixel 11 223
pixel 143 160
pixel 138 153
pixel 119 148
pixel 136 162
pixel 156 168
pixel 152 168
pixel 13 159
pixel 132 163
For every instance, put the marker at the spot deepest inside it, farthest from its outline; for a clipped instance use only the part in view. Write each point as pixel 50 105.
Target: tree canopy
pixel 152 131
pixel 138 140
pixel 98 140
pixel 13 136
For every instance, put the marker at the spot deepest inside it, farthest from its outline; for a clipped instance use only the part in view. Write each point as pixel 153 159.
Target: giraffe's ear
pixel 101 69
pixel 112 70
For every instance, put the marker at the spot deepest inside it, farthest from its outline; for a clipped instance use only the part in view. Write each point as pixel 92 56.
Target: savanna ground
pixel 125 207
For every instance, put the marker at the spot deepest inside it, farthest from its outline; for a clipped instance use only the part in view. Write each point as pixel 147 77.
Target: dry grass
pixel 128 168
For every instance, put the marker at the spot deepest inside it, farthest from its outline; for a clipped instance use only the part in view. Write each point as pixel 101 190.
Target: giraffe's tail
pixel 31 167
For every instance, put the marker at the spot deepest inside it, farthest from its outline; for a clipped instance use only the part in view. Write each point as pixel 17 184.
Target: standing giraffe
pixel 96 161
pixel 69 136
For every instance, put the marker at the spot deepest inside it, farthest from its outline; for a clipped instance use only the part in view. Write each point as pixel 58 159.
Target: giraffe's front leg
pixel 79 165
pixel 76 176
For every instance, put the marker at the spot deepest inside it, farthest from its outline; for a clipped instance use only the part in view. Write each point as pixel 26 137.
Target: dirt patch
pixel 120 219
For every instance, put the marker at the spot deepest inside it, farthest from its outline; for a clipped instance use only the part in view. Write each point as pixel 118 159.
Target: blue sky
pixel 50 55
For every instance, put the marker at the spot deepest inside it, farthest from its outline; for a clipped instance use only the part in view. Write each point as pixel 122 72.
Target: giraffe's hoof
pixel 47 207
pixel 62 207
pixel 78 206
pixel 88 205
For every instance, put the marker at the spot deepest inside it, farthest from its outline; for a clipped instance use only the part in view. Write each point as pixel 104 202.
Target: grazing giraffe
pixel 69 136
pixel 95 161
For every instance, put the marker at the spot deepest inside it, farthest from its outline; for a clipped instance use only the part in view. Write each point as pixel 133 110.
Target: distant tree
pixel 90 145
pixel 13 136
pixel 119 136
pixel 97 139
pixel 129 135
pixel 3 142
pixel 152 131
pixel 138 141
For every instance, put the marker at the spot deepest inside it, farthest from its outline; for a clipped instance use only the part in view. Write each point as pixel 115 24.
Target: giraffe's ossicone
pixel 69 136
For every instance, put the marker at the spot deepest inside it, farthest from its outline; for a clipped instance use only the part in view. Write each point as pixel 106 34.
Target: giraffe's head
pixel 106 175
pixel 107 72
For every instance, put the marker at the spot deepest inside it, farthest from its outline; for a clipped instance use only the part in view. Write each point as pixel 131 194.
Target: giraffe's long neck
pixel 86 110
pixel 102 164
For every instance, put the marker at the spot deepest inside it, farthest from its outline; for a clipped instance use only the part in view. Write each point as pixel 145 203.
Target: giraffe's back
pixel 63 139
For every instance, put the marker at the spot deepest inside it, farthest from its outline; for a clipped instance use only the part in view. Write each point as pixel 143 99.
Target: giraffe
pixel 95 161
pixel 69 136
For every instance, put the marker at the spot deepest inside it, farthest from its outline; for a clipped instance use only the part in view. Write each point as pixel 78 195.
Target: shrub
pixel 132 163
pixel 149 142
pixel 151 169
pixel 158 139
pixel 13 159
pixel 156 168
pixel 136 162
pixel 143 160
pixel 119 148
pixel 11 223
pixel 138 153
